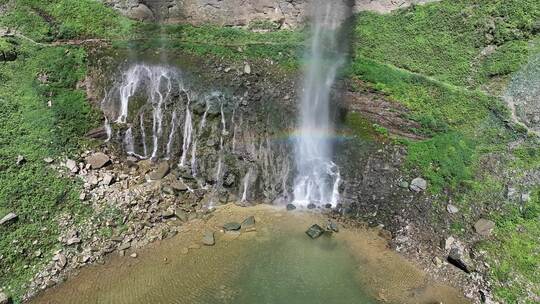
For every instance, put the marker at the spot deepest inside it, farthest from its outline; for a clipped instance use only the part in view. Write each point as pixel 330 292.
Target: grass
pixel 29 127
pixel 445 40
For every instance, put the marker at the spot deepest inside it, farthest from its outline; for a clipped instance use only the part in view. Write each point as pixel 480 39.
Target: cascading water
pixel 317 180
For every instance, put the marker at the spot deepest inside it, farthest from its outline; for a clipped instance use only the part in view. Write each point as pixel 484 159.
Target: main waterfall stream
pixel 318 178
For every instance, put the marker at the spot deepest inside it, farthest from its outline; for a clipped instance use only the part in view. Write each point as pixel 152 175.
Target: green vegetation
pixel 445 40
pixel 433 59
pixel 47 20
pixel 30 128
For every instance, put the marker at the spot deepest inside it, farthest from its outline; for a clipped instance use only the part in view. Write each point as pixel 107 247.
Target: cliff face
pixel 286 13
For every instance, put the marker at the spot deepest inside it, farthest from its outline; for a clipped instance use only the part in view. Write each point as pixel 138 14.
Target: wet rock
pixel 208 238
pixel 311 206
pixel 160 172
pixel 315 231
pixel 249 224
pixel 290 207
pixel 232 226
pixel 178 186
pixel 4 299
pixel 332 226
pixel 418 185
pixel 328 206
pixel 458 258
pixel 98 160
pixel 20 160
pixel 9 218
pixel 484 227
pixel 452 209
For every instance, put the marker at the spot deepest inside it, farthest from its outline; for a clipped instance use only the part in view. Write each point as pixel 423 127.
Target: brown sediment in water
pixel 182 270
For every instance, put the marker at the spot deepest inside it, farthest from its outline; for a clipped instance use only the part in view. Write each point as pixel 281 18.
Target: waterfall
pixel 188 130
pixel 317 177
pixel 245 185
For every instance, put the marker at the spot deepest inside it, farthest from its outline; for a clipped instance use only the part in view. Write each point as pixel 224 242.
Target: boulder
pixel 311 206
pixel 160 172
pixel 315 231
pixel 290 207
pixel 458 258
pixel 9 218
pixel 141 12
pixel 332 226
pixel 108 180
pixel 178 186
pixel 232 226
pixel 484 227
pixel 208 238
pixel 418 185
pixel 98 160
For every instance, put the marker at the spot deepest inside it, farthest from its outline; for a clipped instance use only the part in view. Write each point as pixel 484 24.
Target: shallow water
pixel 276 264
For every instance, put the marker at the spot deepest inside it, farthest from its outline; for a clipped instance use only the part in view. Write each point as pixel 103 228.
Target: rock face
pixel 282 13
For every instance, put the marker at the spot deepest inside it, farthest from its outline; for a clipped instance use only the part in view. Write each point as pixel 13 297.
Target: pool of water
pixel 276 264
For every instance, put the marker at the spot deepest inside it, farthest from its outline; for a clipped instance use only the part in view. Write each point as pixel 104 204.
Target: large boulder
pixel 98 160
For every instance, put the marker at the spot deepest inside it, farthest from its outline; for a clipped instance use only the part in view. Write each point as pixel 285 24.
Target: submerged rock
pixel 290 207
pixel 484 227
pixel 315 231
pixel 10 217
pixel 208 238
pixel 311 206
pixel 249 224
pixel 232 226
pixel 332 226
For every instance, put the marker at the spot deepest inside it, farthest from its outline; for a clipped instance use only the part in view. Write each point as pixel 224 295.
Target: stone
pixel 452 209
pixel 9 218
pixel 208 238
pixel 484 227
pixel 311 206
pixel 332 226
pixel 404 185
pixel 249 224
pixel 4 299
pixel 160 172
pixel 124 246
pixel 141 12
pixel 179 186
pixel 418 185
pixel 73 241
pixel 108 179
pixel 457 258
pixel 134 255
pixel 437 262
pixel 48 160
pixel 247 68
pixel 449 242
pixel 315 231
pixel 20 160
pixel 72 166
pixel 61 260
pixel 167 214
pixel 290 207
pixel 232 226
pixel 98 160
pixel 181 215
